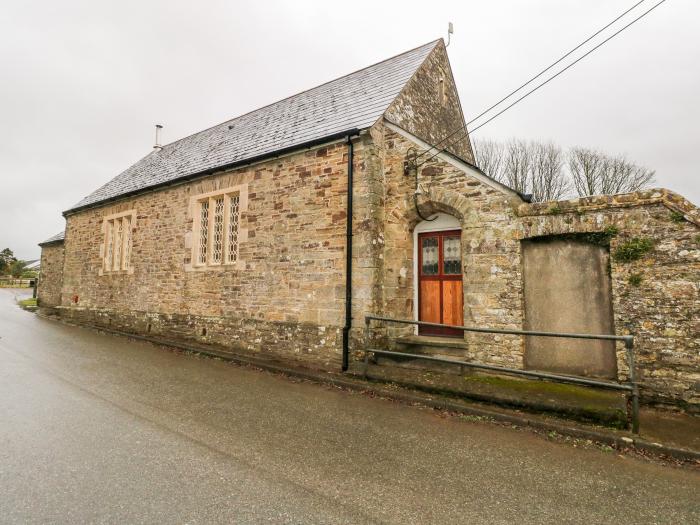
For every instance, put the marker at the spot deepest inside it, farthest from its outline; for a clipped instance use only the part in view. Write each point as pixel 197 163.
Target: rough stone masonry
pixel 283 299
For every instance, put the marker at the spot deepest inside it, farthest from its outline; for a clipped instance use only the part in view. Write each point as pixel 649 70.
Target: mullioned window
pixel 116 248
pixel 216 228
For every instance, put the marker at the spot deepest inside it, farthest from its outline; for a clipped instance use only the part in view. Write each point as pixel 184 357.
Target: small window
pixel 442 89
pixel 217 218
pixel 118 230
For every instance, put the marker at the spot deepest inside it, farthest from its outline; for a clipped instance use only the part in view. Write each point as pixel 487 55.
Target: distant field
pixel 15 283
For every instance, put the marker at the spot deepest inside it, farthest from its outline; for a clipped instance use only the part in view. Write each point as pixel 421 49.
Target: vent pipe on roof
pixel 157 145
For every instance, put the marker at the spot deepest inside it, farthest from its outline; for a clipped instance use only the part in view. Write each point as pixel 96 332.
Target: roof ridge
pixel 297 94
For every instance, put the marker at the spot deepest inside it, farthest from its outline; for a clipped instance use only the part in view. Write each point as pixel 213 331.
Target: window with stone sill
pixel 116 249
pixel 217 219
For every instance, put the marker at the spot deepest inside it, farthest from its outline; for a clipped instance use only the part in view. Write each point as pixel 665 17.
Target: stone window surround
pixel 126 244
pixel 192 237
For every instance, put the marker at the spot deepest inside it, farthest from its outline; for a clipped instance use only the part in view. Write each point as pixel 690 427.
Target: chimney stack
pixel 157 145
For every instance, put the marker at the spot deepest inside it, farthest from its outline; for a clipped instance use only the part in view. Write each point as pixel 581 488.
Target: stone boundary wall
pixel 656 296
pixel 668 198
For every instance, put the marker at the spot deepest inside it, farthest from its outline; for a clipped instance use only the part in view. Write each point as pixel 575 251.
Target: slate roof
pixel 32 265
pixel 355 101
pixel 59 237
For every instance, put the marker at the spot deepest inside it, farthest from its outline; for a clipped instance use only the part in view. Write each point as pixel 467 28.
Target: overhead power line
pixel 542 72
pixel 463 128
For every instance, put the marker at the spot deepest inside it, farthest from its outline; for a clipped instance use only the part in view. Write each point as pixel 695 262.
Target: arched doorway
pixel 437 272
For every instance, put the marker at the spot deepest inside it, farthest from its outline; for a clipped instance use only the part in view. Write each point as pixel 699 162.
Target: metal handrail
pixel 504 331
pixel 527 373
pixel 629 386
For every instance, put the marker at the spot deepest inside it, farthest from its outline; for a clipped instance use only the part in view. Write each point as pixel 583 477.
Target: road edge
pixel 354 383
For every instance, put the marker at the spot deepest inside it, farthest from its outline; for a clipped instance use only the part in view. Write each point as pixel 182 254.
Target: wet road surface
pixel 101 429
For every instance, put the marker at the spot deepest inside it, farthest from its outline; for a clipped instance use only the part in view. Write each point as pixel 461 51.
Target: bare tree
pixel 548 182
pixel 543 170
pixel 528 167
pixel 585 168
pixel 489 157
pixel 594 173
pixel 621 176
pixel 516 165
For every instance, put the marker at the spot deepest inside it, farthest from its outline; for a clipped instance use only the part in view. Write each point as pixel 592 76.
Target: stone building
pixel 243 236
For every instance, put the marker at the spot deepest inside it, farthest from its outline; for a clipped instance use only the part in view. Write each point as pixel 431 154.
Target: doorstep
pixel 432 341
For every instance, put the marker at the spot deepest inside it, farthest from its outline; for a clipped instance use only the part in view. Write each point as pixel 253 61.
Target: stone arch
pixel 444 222
pixel 400 245
pixel 438 200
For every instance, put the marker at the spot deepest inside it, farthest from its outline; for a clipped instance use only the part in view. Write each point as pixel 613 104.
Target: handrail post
pixel 368 320
pixel 629 347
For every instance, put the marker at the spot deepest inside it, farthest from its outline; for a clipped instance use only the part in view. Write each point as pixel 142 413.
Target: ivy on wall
pixel 633 249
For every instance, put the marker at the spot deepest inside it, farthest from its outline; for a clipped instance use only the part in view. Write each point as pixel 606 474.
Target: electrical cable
pixel 464 127
pixel 539 74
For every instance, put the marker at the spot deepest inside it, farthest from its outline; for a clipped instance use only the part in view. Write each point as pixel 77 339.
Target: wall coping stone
pixel 668 198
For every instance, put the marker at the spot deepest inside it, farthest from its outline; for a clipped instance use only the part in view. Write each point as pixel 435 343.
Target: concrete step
pixel 451 347
pixel 444 347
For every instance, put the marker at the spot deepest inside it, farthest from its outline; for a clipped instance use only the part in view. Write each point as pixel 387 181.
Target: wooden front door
pixel 440 297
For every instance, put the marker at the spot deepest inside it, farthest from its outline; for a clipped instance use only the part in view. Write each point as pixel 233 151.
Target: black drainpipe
pixel 348 263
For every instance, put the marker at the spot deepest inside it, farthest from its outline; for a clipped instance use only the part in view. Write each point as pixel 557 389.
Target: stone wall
pixel 489 238
pixel 423 111
pixel 286 294
pixel 51 275
pixel 656 297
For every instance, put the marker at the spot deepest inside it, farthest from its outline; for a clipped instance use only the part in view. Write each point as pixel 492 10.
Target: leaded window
pixel 429 256
pixel 217 221
pixel 109 245
pixel 127 241
pixel 218 237
pixel 451 257
pixel 203 231
pixel 119 230
pixel 232 234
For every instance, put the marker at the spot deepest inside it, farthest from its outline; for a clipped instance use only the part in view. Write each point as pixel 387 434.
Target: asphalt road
pixel 102 429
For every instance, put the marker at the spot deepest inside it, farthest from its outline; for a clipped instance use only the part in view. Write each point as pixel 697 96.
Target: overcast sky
pixel 83 83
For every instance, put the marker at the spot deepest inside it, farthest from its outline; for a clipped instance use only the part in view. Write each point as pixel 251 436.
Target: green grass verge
pixel 31 302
